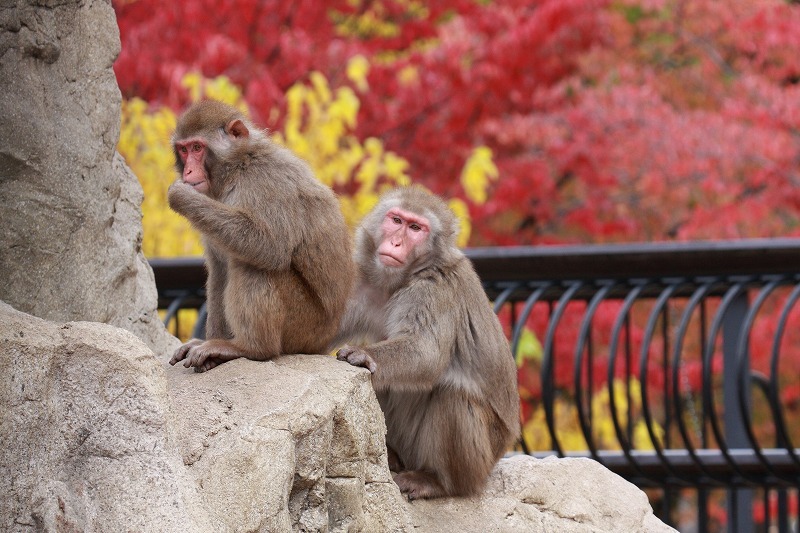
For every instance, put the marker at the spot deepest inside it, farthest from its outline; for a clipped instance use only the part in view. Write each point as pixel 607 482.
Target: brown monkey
pixel 441 366
pixel 277 249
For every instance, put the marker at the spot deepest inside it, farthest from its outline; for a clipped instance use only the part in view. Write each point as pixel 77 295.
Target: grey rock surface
pixel 86 442
pixel 70 245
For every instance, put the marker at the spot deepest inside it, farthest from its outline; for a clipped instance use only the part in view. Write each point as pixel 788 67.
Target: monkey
pixel 440 363
pixel 277 249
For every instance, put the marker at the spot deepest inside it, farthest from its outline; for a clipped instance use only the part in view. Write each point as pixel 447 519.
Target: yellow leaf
pixel 478 171
pixel 357 70
pixel 461 211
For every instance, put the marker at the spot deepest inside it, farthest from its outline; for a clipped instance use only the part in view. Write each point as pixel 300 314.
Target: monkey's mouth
pixel 390 260
pixel 194 184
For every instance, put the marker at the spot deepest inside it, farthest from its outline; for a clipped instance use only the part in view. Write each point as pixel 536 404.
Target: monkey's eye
pixel 196 147
pixel 182 149
pixel 397 220
pixel 415 227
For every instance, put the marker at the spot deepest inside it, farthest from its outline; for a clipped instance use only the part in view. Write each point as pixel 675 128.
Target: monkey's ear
pixel 237 129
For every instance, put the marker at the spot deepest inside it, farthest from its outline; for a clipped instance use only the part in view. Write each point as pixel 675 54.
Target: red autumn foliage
pixel 609 121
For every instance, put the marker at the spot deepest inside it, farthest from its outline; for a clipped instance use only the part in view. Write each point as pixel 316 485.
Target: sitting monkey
pixel 270 231
pixel 441 366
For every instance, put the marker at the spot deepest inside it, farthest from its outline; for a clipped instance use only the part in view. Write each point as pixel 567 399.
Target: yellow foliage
pixel 568 427
pixel 220 88
pixel 408 75
pixel 318 127
pixel 144 142
pixel 372 19
pixel 478 171
pixel 366 22
pixel 357 70
pixel 462 213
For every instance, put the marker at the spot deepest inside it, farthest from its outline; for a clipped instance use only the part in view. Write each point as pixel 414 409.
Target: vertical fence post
pixel 740 501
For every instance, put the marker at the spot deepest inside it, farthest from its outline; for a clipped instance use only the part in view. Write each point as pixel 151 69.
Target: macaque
pixel 441 365
pixel 277 249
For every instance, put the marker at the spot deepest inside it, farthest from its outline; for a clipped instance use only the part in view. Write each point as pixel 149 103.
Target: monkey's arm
pixel 233 229
pixel 417 351
pixel 410 361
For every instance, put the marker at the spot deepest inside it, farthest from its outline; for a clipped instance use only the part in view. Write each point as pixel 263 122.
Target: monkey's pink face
pixel 193 154
pixel 402 232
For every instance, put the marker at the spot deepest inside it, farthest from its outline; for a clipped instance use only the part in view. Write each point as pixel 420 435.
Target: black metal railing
pixel 676 365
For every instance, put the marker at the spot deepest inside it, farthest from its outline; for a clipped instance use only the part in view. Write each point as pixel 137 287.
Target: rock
pixel 526 494
pixel 70 248
pixel 306 431
pixel 87 443
pixel 100 435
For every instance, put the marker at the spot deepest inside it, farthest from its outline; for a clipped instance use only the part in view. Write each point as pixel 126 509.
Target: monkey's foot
pixel 205 355
pixel 208 364
pixel 357 357
pixel 418 484
pixel 181 353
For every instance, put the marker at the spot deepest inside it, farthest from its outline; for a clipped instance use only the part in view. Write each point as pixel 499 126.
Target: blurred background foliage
pixel 544 121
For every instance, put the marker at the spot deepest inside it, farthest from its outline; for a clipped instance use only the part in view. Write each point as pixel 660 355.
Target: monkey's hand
pixel 182 196
pixel 180 353
pixel 357 357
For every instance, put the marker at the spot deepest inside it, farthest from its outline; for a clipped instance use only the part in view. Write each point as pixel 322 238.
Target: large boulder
pixel 86 442
pixel 70 248
pixel 98 434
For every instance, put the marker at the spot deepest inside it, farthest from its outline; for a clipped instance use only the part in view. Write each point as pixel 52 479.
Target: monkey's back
pixel 310 291
pixel 486 350
pixel 479 358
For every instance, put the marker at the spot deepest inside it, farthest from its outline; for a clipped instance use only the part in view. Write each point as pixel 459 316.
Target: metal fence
pixel 676 365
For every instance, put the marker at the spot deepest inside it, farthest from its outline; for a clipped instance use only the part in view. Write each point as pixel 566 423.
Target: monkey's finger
pixel 207 365
pixel 344 353
pixel 196 358
pixel 179 355
pixel 362 359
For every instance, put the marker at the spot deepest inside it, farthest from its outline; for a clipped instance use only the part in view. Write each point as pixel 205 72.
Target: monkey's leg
pixel 456 442
pixel 395 464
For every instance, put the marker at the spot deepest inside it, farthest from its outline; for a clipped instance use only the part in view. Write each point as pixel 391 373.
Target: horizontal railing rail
pixel 674 364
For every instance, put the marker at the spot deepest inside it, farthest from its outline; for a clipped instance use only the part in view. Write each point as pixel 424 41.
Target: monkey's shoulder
pixel 456 275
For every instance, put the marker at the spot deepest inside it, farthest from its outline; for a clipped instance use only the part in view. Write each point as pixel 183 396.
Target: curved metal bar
pixel 534 297
pixel 777 411
pixel 548 388
pixel 174 306
pixel 612 360
pixel 532 300
pixel 199 329
pixel 644 357
pixel 503 296
pixel 708 353
pixel 680 335
pixel 585 329
pixel 499 302
pixel 743 378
